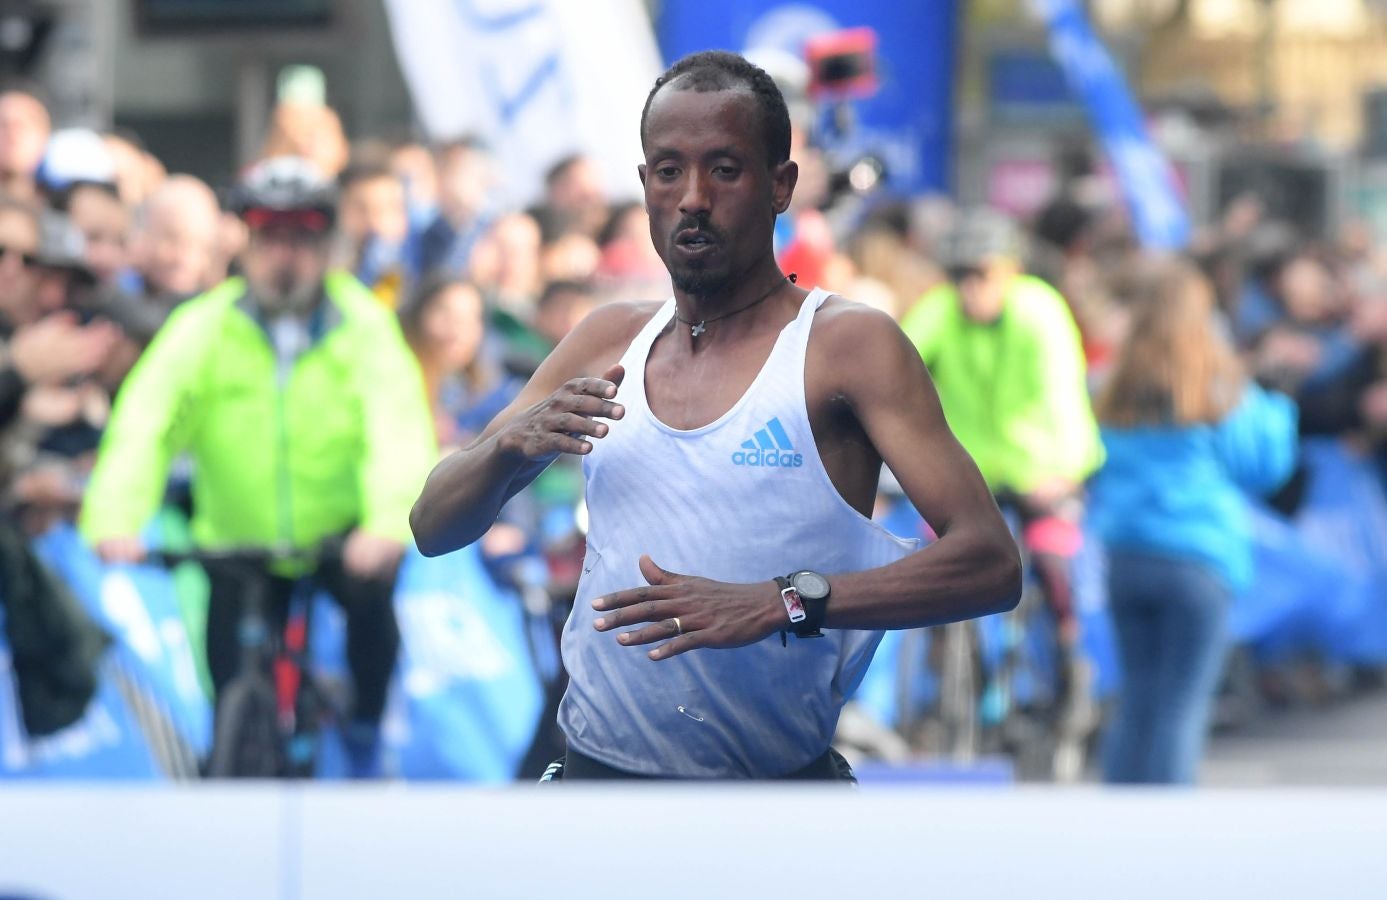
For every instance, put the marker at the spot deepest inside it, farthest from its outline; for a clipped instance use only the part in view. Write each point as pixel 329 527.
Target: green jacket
pixel 1014 392
pixel 346 442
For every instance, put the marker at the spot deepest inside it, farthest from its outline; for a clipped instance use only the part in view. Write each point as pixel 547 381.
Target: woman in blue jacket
pixel 1186 434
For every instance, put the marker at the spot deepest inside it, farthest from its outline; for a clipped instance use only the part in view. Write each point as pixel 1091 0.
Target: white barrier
pixel 74 842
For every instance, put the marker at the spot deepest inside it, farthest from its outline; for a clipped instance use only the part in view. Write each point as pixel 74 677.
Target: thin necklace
pixel 697 328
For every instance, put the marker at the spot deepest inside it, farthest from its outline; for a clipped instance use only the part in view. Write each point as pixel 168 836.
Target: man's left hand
pixel 367 555
pixel 690 612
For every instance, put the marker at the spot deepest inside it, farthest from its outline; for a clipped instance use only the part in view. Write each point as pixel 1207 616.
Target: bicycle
pixel 1004 687
pixel 270 715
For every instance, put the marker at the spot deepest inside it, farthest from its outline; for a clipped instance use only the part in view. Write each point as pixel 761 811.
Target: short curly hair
pixel 718 70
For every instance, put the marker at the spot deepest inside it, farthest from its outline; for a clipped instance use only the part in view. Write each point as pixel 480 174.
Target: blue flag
pixel 1147 181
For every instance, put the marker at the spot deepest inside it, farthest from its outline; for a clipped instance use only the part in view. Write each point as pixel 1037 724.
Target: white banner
pixel 535 79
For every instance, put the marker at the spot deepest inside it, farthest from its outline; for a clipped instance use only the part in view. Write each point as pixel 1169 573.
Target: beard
pixel 704 278
pixel 283 292
pixel 701 282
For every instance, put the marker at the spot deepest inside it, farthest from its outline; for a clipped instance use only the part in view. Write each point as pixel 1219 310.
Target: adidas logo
pixel 770 447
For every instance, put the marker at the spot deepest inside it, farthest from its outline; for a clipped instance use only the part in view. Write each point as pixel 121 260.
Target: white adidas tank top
pixel 742 499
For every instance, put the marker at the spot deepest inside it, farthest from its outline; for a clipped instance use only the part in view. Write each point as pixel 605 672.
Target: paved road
pixel 1344 743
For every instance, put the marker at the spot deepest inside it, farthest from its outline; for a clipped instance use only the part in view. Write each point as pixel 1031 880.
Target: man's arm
pixel 972 570
pixel 555 413
pixel 150 423
pixel 1059 442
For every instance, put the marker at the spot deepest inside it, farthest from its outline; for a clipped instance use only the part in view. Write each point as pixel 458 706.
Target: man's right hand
pixel 564 422
pixel 56 348
pixel 121 550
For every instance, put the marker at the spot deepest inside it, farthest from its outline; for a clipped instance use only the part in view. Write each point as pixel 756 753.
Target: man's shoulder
pixel 851 327
pixel 355 299
pixel 1031 298
pixel 205 309
pixel 614 324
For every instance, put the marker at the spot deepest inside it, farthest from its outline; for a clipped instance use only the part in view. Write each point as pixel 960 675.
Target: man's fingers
pixel 653 573
pixel 629 607
pixel 665 629
pixel 596 407
pixel 563 443
pixel 682 644
pixel 615 374
pixel 574 424
pixel 603 390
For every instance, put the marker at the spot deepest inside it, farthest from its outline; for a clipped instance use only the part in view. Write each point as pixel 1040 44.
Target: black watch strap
pixel 814 612
pixel 813 623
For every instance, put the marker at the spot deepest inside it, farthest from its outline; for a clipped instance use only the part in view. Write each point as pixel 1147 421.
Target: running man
pixel 732 439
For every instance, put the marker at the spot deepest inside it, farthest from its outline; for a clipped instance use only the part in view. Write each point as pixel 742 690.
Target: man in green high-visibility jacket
pixel 304 414
pixel 1007 359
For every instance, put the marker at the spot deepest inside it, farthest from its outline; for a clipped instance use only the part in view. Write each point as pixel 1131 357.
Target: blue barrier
pixel 1319 577
pixel 466 703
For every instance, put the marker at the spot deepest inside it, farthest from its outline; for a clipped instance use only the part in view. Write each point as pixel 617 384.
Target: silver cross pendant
pixel 698 329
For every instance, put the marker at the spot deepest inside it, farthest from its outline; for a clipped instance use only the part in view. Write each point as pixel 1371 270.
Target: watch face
pixel 811 585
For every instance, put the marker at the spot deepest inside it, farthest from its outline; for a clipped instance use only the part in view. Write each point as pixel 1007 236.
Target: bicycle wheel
pixel 246 742
pixel 959 691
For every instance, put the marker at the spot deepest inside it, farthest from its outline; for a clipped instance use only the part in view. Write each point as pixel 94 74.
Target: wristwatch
pixel 806 601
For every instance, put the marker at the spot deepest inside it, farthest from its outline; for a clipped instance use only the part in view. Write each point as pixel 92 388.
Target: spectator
pixel 104 222
pixel 574 193
pixel 1006 357
pixel 444 322
pixel 562 306
pixel 630 268
pixel 570 257
pixel 293 363
pixel 506 269
pixel 176 247
pixel 414 165
pixel 466 176
pixel 24 130
pixel 19 246
pixel 1186 432
pixel 138 172
pixel 375 229
pixel 308 131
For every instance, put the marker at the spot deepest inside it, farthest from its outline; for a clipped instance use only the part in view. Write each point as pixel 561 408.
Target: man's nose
pixel 695 198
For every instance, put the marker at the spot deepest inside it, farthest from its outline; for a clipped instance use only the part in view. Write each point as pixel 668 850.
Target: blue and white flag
pixel 1146 178
pixel 536 80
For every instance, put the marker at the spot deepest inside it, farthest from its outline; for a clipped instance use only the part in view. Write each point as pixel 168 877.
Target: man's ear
pixel 640 170
pixel 784 177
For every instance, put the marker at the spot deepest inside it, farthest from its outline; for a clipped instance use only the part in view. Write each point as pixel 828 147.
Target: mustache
pixel 695 223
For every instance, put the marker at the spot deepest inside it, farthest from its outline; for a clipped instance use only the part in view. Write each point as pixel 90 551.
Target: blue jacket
pixel 1179 491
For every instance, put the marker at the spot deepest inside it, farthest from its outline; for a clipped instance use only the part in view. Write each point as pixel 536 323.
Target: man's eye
pixel 727 171
pixel 667 172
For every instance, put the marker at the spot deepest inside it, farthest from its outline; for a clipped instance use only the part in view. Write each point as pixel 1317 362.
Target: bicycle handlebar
pixel 328 550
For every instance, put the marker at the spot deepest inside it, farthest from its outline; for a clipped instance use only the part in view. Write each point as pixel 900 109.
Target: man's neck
pixel 742 290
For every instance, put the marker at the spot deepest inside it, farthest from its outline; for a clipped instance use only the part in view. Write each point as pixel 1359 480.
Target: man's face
pixel 454 325
pixel 375 207
pixel 465 177
pixel 24 129
pixel 105 224
pixel 284 266
pixel 982 289
pixel 711 195
pixel 19 238
pixel 178 248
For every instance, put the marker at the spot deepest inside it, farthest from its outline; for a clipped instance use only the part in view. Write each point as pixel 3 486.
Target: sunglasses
pixel 309 220
pixel 960 274
pixel 29 259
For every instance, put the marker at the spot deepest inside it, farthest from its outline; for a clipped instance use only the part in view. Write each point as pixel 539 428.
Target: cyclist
pixel 304 414
pixel 1006 357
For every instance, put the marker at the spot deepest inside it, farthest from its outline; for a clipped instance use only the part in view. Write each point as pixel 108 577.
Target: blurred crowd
pixel 98 243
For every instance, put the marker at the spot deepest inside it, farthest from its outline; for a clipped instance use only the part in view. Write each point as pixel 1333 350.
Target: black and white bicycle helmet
pixel 285 184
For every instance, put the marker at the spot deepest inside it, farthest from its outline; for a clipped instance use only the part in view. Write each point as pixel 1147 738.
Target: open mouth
pixel 694 240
